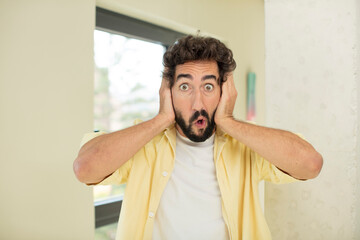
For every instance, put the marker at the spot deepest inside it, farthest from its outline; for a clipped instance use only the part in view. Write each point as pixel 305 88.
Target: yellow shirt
pixel 238 170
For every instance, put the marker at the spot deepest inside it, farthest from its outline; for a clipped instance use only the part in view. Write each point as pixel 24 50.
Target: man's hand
pixel 226 105
pixel 285 150
pixel 166 107
pixel 102 155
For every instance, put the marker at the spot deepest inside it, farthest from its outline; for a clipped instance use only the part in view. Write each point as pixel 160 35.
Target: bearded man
pixel 192 172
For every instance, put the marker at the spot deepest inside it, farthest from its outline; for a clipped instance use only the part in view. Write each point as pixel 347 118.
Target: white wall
pixel 312 87
pixel 46 98
pixel 46 85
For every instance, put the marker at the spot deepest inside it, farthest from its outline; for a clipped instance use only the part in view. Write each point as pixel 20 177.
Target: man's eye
pixel 209 87
pixel 184 87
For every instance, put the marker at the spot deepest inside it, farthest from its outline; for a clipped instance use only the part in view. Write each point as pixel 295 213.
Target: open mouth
pixel 200 123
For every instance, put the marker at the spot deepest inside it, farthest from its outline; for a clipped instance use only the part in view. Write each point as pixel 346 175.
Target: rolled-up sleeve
pixel 120 176
pixel 269 172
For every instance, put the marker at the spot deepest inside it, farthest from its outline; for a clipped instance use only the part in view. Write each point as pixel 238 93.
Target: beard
pixel 187 129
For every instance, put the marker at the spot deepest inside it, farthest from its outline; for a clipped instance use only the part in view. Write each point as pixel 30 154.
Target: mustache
pixel 199 113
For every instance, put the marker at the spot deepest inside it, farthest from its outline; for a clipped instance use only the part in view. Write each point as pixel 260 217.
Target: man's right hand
pixel 166 107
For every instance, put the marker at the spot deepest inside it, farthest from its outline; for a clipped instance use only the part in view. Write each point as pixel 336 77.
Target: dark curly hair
pixel 192 48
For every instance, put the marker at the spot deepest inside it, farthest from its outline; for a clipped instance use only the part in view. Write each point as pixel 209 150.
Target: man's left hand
pixel 227 101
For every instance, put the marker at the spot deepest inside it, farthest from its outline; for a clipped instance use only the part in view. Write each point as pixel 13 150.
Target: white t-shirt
pixel 190 207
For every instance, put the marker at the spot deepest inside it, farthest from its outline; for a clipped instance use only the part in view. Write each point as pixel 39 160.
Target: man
pixel 192 172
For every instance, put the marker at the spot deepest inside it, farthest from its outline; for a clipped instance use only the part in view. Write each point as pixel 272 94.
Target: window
pixel 128 67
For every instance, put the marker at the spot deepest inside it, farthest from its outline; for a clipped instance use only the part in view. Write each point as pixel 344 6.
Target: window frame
pixel 108 211
pixel 117 23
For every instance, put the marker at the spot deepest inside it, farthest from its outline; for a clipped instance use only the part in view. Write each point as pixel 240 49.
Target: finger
pixel 230 79
pixel 231 85
pixel 225 87
pixel 164 84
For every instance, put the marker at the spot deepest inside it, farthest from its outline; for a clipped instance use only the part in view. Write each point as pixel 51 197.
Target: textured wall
pixel 312 87
pixel 357 63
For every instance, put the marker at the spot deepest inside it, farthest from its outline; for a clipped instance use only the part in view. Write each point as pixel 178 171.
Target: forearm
pixel 104 154
pixel 285 150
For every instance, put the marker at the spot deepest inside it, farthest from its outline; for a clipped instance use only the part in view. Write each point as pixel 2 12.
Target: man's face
pixel 196 94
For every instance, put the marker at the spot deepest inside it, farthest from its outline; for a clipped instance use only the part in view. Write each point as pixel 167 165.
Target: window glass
pixel 127 81
pixel 107 232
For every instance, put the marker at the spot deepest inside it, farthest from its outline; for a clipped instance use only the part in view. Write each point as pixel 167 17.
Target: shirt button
pixel 151 214
pixel 165 173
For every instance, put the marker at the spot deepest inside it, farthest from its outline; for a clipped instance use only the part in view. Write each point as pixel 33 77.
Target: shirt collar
pixel 170 133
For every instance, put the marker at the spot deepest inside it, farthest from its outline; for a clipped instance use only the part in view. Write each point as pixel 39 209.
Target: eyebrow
pixel 184 76
pixel 206 77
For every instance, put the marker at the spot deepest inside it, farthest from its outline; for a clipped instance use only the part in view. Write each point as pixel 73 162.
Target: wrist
pixel 164 120
pixel 225 123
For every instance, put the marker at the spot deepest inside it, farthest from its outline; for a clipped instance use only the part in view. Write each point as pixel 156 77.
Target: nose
pixel 198 103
